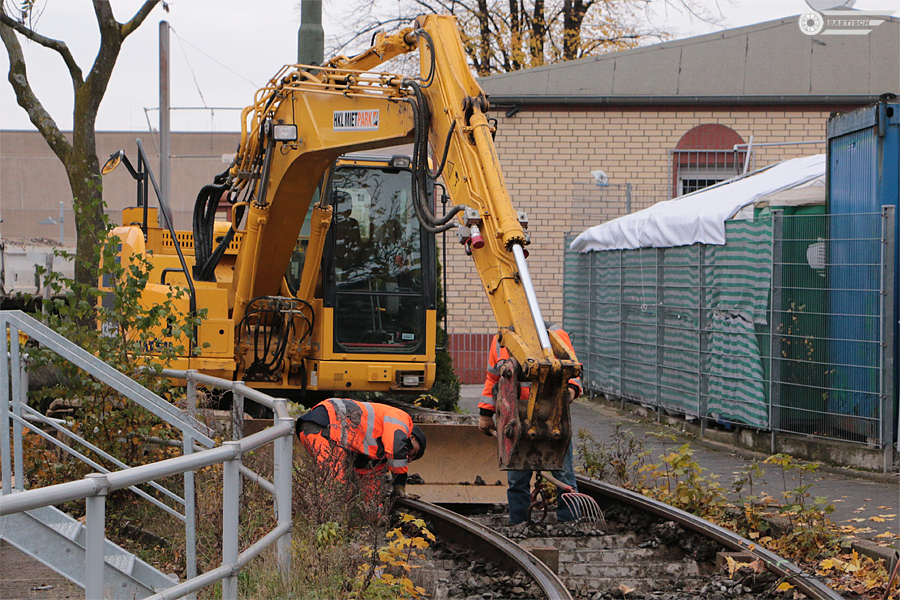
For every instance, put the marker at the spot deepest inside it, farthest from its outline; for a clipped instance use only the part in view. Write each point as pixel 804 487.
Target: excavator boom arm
pixel 339 108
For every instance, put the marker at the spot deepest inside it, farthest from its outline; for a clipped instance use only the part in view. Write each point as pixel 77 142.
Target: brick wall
pixel 547 155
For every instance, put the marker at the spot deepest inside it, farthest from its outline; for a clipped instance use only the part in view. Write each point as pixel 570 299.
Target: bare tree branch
pixel 55 45
pixel 25 97
pixel 138 18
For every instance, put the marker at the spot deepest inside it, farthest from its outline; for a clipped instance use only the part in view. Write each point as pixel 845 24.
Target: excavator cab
pixel 378 274
pixel 382 270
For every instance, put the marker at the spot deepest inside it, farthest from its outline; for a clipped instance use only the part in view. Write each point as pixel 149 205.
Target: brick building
pixel 33 181
pixel 659 121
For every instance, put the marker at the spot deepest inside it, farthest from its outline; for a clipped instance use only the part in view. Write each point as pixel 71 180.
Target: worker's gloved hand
pixel 400 491
pixel 572 394
pixel 486 425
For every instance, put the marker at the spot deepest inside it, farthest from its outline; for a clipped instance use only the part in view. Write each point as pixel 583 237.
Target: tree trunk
pixel 83 171
pixel 515 37
pixel 484 38
pixel 573 18
pixel 538 34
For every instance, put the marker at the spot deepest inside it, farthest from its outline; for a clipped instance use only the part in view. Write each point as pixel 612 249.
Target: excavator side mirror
pixel 114 160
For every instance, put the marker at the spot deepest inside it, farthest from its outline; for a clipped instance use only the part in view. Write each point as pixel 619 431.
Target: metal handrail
pixel 94 488
pixel 126 478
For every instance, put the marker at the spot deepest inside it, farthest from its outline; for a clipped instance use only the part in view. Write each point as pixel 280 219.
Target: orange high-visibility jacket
pixel 498 353
pixel 377 431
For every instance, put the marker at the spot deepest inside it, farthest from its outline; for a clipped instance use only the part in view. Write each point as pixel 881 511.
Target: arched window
pixel 705 155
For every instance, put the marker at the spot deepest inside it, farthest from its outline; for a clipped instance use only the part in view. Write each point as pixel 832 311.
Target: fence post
pixel 16 369
pixel 621 327
pixel 660 253
pixel 888 319
pixel 5 462
pixel 701 298
pixel 95 539
pixel 284 470
pixel 775 326
pixel 231 479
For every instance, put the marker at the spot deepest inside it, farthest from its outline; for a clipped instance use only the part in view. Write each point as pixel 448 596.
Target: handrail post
pixel 95 538
pixel 237 415
pixel 190 514
pixel 190 497
pixel 284 469
pixel 16 369
pixel 5 462
pixel 191 393
pixel 231 479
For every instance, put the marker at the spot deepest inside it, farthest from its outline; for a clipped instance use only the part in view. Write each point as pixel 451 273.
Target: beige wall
pixel 547 156
pixel 33 181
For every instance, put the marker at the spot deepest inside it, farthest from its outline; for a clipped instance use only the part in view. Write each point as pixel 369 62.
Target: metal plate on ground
pixel 456 455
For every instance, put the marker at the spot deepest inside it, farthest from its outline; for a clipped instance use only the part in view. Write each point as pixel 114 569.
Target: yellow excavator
pixel 323 277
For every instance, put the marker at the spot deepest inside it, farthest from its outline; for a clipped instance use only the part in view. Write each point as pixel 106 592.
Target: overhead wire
pixel 221 64
pixel 190 66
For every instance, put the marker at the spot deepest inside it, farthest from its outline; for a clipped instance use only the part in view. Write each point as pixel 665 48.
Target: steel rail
pixel 793 574
pixel 458 528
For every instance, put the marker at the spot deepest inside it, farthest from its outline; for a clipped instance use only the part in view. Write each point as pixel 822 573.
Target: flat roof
pixel 768 63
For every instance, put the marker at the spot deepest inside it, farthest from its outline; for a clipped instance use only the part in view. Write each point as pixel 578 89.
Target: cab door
pixel 380 279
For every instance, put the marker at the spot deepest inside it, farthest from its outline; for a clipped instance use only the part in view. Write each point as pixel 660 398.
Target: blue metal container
pixel 863 172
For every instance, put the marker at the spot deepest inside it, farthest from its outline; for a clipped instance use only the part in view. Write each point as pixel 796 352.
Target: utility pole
pixel 164 125
pixel 311 36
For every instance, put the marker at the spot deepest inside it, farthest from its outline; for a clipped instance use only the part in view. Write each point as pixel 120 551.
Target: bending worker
pixel 372 436
pixel 518 492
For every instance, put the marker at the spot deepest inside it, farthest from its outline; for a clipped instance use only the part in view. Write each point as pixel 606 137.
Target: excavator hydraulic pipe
pixel 533 305
pixel 386 47
pixel 321 220
pixel 248 261
pixel 505 217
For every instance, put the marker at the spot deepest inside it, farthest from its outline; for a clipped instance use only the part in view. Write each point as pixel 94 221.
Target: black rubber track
pixel 604 492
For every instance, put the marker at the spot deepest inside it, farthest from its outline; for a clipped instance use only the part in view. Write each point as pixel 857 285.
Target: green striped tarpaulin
pixel 677 327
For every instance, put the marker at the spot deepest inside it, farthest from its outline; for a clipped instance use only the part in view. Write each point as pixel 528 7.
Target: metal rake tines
pixel 584 508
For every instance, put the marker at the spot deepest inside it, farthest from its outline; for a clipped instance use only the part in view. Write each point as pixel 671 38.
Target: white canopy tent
pixel 700 217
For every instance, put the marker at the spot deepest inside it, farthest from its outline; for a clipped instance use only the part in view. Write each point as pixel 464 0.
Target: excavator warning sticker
pixel 356 120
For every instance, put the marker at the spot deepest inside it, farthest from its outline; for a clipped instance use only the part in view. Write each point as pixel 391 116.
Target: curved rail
pixel 793 574
pixel 458 528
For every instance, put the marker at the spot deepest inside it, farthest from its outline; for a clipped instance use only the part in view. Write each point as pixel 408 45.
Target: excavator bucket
pixel 535 442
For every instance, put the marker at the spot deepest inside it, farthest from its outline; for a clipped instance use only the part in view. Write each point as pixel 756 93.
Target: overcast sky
pixel 224 50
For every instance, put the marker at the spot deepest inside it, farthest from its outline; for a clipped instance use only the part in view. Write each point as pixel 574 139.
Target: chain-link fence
pixel 593 204
pixel 787 327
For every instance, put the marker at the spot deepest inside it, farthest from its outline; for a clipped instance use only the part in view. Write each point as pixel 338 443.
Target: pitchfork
pixel 583 507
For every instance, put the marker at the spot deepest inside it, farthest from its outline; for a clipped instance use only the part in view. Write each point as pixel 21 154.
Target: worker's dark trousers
pixel 518 494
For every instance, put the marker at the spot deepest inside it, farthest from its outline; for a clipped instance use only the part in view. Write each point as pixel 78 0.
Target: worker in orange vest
pixel 518 492
pixel 373 436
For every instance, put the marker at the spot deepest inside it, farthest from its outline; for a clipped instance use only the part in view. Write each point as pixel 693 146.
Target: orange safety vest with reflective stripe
pixel 497 354
pixel 377 431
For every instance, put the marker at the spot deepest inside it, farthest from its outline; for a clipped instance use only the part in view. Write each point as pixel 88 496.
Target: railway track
pixel 648 550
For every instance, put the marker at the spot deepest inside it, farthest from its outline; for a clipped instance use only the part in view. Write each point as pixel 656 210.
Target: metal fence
pixel 593 204
pixel 788 327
